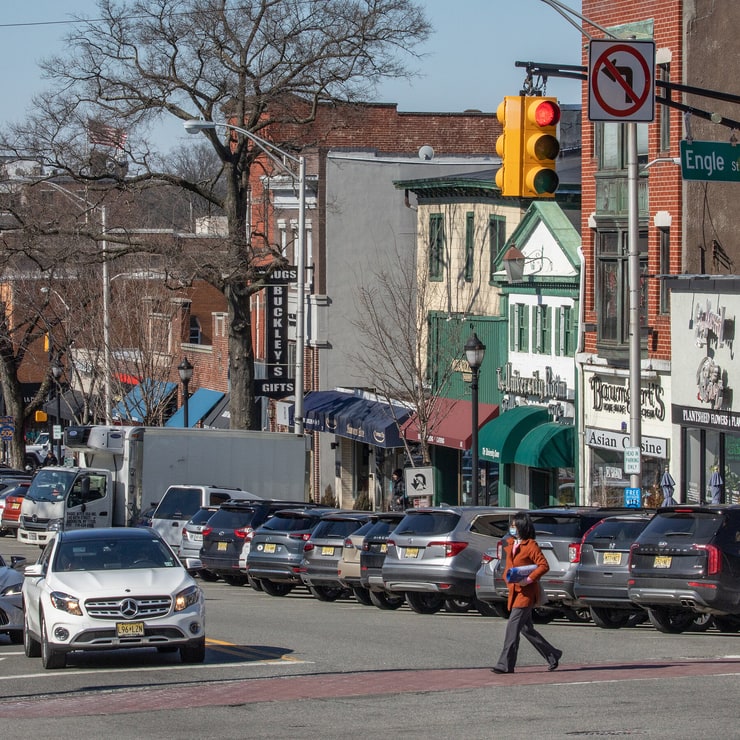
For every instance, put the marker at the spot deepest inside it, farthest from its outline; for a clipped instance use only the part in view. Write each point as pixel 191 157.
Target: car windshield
pixel 381 528
pixel 50 485
pixel 231 518
pixel 335 528
pixel 428 523
pixel 560 526
pixel 617 533
pixel 280 523
pixel 178 503
pixel 113 554
pixel 696 526
pixel 202 516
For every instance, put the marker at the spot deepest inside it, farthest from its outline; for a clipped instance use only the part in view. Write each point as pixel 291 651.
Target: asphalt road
pixel 295 667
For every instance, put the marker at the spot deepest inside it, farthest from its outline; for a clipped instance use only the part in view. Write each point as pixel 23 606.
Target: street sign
pixel 56 432
pixel 710 160
pixel 632 497
pixel 631 460
pixel 621 80
pixel 7 427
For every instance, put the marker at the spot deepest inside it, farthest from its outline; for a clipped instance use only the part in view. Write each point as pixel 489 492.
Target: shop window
pixel 542 343
pixel 469 246
pixel 496 241
pixel 519 328
pixel 436 246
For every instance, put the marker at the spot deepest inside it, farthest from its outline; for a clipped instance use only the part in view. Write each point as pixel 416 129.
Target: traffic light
pixel 528 146
pixel 540 147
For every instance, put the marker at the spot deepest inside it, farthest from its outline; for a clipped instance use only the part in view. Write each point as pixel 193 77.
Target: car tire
pixel 273 588
pixel 31 647
pixel 580 615
pixel 208 576
pixel 701 623
pixel 326 593
pixel 233 580
pixel 609 619
pixel 501 608
pixel 727 623
pixel 255 583
pixel 193 653
pixel 362 595
pixel 50 659
pixel 544 615
pixel 458 606
pixel 16 637
pixel 485 609
pixel 386 601
pixel 671 621
pixel 424 603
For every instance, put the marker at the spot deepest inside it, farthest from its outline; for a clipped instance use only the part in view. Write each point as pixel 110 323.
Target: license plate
pixel 412 552
pixel 130 629
pixel 33 536
pixel 612 558
pixel 270 547
pixel 222 546
pixel 384 548
pixel 15 506
pixel 327 551
pixel 196 537
pixel 662 561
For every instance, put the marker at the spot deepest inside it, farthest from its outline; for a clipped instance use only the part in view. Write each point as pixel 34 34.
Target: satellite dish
pixel 426 153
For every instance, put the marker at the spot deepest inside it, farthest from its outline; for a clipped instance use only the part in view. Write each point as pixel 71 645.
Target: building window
pixel 519 327
pixel 611 145
pixel 195 331
pixel 436 246
pixel 664 74
pixel 665 269
pixel 612 286
pixel 542 330
pixel 496 240
pixel 565 331
pixel 469 246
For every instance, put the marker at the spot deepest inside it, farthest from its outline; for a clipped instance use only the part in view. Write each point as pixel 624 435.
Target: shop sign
pixel 533 386
pixel 615 398
pixel 278 382
pixel 709 384
pixel 608 440
pixel 709 325
pixel 724 421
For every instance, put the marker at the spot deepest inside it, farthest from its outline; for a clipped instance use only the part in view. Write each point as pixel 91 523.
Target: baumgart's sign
pixel 615 398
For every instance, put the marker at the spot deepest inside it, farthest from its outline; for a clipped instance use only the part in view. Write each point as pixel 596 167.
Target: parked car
pixel 485 581
pixel 11 602
pixel 192 541
pixel 274 557
pixel 602 570
pixel 110 589
pixel 323 551
pixel 145 517
pixel 348 568
pixel 11 512
pixel 559 533
pixel 227 530
pixel 374 548
pixel 434 553
pixel 687 562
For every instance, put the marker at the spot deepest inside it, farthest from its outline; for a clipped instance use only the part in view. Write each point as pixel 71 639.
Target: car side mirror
pixel 34 571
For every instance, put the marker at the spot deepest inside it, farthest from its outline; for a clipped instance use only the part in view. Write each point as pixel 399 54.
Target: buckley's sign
pixel 615 398
pixel 278 382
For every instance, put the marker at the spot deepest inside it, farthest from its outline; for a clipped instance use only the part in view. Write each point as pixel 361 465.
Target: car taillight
pixel 487 558
pixel 244 533
pixel 184 533
pixel 714 559
pixel 633 547
pixel 574 552
pixel 365 546
pixel 348 543
pixel 451 548
pixel 500 549
pixel 308 546
pixel 207 530
pixel 391 543
pixel 300 536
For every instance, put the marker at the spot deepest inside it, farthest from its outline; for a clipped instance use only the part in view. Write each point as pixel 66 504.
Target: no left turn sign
pixel 621 81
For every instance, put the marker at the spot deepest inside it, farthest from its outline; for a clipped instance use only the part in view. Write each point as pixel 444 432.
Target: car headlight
pixel 55 525
pixel 66 603
pixel 187 598
pixel 12 590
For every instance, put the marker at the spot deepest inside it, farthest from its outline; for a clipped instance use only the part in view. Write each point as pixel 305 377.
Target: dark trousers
pixel 520 623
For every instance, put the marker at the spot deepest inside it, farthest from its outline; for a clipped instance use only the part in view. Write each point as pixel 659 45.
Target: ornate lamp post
pixel 475 351
pixel 186 373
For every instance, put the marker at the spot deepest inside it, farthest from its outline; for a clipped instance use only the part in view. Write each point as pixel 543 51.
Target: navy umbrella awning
pixel 668 485
pixel 715 486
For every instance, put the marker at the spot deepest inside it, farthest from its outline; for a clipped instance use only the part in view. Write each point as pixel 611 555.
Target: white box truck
pixel 121 470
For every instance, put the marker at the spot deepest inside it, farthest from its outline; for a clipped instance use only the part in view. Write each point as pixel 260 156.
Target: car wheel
pixel 254 583
pixel 362 595
pixel 235 580
pixel 16 637
pixel 701 623
pixel 670 621
pixel 727 623
pixel 272 588
pixel 193 653
pixel 425 603
pixel 386 601
pixel 458 606
pixel 50 658
pixel 485 609
pixel 579 615
pixel 543 615
pixel 609 619
pixel 326 593
pixel 501 608
pixel 31 647
pixel 208 575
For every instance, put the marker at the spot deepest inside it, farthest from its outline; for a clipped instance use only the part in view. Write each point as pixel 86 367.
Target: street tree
pixel 264 65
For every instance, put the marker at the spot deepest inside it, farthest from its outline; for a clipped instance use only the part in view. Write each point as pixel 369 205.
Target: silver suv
pixel 434 553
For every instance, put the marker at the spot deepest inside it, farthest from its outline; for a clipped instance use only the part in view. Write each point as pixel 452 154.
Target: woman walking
pixel 523 554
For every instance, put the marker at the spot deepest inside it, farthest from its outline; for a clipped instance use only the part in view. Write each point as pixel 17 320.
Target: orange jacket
pixel 522 595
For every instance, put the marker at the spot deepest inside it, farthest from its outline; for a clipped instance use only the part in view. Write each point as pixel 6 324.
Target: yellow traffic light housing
pixel 540 147
pixel 41 417
pixel 509 145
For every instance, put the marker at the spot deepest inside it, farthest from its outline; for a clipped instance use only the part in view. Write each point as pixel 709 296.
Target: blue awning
pixel 346 415
pixel 199 405
pixel 219 417
pixel 147 396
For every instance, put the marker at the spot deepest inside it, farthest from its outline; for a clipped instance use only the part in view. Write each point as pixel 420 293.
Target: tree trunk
pixel 241 358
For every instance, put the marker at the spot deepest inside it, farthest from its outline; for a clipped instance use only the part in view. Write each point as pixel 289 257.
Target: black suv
pixel 687 561
pixel 374 548
pixel 228 528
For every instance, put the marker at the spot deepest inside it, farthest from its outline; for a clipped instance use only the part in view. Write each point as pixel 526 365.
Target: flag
pixel 105 135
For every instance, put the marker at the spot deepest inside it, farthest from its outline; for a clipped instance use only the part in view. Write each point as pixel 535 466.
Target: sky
pixel 468 64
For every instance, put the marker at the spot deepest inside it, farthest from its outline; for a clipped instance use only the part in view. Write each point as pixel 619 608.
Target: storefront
pixel 704 411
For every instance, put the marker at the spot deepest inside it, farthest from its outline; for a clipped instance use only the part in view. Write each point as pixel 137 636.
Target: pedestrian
pixel 399 502
pixel 523 552
pixel 50 459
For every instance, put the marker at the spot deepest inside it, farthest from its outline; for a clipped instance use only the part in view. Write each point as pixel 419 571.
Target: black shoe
pixel 554 662
pixel 500 670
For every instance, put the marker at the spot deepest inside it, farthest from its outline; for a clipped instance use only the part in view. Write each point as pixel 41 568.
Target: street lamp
pixel 194 126
pixel 56 371
pixel 186 373
pixel 475 351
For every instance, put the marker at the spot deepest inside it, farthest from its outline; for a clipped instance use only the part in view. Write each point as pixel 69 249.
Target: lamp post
pixel 193 127
pixel 56 371
pixel 475 351
pixel 186 373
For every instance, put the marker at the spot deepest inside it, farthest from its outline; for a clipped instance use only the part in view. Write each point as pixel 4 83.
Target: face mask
pixel 512 531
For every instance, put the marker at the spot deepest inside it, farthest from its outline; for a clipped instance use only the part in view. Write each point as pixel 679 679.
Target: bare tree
pixel 268 65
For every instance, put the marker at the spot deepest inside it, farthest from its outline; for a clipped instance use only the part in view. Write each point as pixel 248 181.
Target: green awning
pixel 548 445
pixel 498 440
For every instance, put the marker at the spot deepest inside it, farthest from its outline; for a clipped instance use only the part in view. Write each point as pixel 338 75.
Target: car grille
pixel 29 525
pixel 147 607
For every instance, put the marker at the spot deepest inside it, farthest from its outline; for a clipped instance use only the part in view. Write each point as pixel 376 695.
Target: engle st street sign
pixel 710 160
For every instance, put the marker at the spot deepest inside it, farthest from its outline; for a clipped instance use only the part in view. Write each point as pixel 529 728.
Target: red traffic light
pixel 546 113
